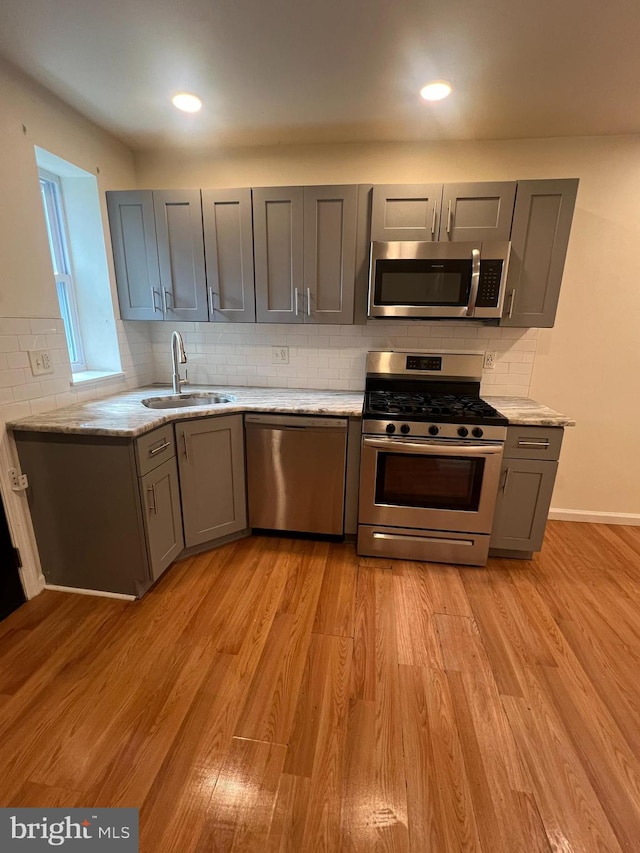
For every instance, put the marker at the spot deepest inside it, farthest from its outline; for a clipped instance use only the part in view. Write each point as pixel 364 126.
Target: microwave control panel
pixel 489 284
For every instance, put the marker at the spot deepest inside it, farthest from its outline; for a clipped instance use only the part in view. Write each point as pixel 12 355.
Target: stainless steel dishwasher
pixel 296 472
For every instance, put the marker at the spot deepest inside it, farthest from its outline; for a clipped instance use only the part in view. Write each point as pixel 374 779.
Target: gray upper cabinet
pixel 135 255
pixel 329 253
pixel 178 215
pixel 305 244
pixel 539 240
pixel 278 249
pixel 212 479
pixel 406 211
pixel 477 211
pixel 158 253
pixel 228 241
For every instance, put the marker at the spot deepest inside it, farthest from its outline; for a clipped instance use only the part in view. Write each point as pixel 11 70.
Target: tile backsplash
pixel 333 357
pixel 23 394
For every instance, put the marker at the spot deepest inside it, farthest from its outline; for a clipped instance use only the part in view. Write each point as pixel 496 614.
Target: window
pixel 58 246
pixel 75 229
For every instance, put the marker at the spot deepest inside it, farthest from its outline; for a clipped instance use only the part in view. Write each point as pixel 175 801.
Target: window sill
pixel 91 378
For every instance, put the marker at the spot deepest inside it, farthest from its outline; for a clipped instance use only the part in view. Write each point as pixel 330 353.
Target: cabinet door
pixel 162 516
pixel 228 242
pixel 278 252
pixel 539 240
pixel 135 255
pixel 329 253
pixel 523 504
pixel 211 459
pixel 477 211
pixel 405 211
pixel 178 215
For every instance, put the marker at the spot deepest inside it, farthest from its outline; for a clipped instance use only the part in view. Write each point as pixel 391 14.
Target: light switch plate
pixel 40 361
pixel 280 355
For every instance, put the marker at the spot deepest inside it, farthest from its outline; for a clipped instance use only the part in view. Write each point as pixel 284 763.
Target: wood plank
pixel 440 808
pixel 271 702
pixel 571 813
pixel 416 635
pixel 287 826
pixel 335 612
pixel 240 812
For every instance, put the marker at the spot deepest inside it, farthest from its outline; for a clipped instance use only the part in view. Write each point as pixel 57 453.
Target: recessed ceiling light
pixel 186 102
pixel 436 91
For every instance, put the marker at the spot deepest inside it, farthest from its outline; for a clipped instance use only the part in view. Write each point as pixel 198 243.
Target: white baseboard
pixel 630 518
pixel 99 592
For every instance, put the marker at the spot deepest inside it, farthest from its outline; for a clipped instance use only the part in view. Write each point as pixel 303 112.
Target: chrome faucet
pixel 178 356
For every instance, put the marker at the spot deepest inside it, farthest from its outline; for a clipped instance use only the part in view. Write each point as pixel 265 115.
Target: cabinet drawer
pixel 154 448
pixel 533 442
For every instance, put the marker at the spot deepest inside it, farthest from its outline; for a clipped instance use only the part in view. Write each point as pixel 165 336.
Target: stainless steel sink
pixel 179 401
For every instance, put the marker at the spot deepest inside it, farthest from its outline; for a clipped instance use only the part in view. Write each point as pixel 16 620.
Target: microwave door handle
pixel 475 281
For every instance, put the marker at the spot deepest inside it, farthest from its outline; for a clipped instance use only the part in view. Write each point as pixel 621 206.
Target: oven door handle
pixel 475 282
pixel 430 448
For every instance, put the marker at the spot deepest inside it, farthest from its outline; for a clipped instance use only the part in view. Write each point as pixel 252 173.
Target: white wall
pixel 29 312
pixel 587 365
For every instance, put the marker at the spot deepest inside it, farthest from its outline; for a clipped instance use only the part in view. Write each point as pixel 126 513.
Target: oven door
pixel 429 484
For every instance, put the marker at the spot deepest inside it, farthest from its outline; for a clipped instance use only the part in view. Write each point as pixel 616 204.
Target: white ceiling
pixel 278 71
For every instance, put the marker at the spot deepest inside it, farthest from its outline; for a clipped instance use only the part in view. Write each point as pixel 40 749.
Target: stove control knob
pixel 433 430
pixel 463 432
pixel 404 429
pixel 391 427
pixel 477 432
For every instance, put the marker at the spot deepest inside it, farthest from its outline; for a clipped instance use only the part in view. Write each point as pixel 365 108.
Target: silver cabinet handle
pixel 295 300
pixel 155 293
pixel 449 218
pixel 154 506
pixel 401 537
pixel 212 309
pixel 433 221
pixel 308 302
pixel 475 281
pixel 160 448
pixel 506 479
pixel 165 298
pixel 541 444
pixel 185 445
pixel 512 303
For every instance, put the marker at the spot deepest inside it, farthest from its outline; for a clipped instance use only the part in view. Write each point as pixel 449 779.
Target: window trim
pixel 56 224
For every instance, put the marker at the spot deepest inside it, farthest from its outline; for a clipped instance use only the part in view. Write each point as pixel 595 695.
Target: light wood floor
pixel 285 695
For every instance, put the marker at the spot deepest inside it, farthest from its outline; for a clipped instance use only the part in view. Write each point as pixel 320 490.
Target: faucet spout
pixel 178 356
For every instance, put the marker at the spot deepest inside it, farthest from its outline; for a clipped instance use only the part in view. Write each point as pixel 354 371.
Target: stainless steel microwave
pixel 424 280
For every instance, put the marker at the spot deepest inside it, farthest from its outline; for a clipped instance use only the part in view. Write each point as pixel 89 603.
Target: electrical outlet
pixel 279 355
pixel 489 360
pixel 40 361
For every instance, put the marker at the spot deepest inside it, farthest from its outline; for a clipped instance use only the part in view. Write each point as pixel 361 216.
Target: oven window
pixel 422 282
pixel 429 482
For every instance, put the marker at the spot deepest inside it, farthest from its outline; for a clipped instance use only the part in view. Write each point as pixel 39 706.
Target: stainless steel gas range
pixel 431 456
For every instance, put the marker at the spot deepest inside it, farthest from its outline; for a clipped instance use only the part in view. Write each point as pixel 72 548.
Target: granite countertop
pixel 527 412
pixel 124 415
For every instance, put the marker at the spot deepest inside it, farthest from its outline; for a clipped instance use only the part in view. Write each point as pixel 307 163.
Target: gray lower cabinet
pixel 469 211
pixel 212 477
pixel 92 502
pixel 228 242
pixel 305 253
pixel 539 240
pixel 529 468
pixel 162 516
